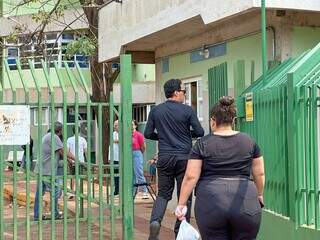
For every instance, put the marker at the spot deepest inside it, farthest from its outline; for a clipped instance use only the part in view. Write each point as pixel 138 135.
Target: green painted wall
pixel 245 49
pixel 276 227
pixel 304 38
pixel 143 72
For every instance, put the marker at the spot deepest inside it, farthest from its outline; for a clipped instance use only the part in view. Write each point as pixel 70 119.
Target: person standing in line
pixel 24 158
pixel 170 123
pixel 116 156
pixel 228 203
pixel 47 170
pixel 138 148
pixel 82 150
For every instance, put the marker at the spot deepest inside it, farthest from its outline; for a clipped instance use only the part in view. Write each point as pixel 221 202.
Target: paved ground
pixel 142 213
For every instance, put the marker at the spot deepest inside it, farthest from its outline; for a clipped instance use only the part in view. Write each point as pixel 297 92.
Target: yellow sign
pixel 249 107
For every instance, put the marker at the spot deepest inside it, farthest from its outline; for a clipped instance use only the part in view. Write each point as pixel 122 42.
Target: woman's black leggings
pixel 227 209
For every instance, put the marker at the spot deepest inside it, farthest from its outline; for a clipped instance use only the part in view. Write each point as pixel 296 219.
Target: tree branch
pixel 59 35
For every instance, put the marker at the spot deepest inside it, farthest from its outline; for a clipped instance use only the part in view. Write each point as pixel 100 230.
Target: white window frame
pixel 58 50
pixel 198 80
pixel 45 111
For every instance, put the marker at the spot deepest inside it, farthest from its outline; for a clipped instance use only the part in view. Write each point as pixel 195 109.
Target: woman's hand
pixel 181 211
pixel 260 199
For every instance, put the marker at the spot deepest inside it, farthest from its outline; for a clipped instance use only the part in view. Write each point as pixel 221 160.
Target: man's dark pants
pixel 170 168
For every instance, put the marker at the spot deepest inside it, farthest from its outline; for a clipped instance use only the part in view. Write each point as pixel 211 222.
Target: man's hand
pixel 151 161
pixel 70 161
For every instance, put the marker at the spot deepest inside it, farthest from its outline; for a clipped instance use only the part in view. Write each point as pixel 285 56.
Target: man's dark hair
pixel 58 127
pixel 224 111
pixel 171 86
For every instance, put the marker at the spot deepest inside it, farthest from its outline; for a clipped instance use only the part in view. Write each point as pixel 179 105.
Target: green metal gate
pixel 95 213
pixel 286 119
pixel 218 83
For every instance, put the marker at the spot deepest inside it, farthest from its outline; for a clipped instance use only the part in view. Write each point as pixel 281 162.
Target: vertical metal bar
pixel 53 146
pixel 299 141
pixel 210 88
pixel 89 190
pixel 313 129
pixel 89 175
pixel 239 77
pixel 26 91
pixel 263 41
pixel 111 160
pixel 39 143
pixel 15 169
pixel 120 164
pixel 127 171
pixel 292 168
pixel 2 228
pixel 305 145
pixel 252 72
pixel 65 163
pixel 79 212
pixel 226 78
pixel 316 87
pixel 100 167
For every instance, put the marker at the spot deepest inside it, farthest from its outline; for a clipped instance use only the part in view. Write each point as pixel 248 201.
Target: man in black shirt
pixel 170 123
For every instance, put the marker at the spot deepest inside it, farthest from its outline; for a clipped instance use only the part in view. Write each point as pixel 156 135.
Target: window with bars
pixel 140 112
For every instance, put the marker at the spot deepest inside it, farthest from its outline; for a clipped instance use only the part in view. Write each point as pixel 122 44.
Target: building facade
pixel 187 39
pixel 17 51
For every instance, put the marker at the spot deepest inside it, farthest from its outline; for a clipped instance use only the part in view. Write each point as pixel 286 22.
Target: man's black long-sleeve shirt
pixel 170 123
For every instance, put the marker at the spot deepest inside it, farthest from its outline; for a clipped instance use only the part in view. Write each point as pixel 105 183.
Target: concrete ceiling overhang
pixel 143 49
pixel 179 31
pixel 141 26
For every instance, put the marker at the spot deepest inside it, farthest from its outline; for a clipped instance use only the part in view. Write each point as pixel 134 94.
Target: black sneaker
pixel 58 217
pixel 43 218
pixel 154 230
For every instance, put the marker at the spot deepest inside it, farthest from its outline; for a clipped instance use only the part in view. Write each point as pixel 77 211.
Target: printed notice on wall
pixel 14 124
pixel 249 107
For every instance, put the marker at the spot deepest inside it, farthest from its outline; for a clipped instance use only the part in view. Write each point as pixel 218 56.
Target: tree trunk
pixel 102 78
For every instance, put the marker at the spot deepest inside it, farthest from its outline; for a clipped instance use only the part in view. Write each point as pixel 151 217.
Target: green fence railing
pixel 217 83
pixel 95 211
pixel 285 124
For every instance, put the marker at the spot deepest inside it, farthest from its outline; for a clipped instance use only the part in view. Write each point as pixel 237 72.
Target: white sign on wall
pixel 14 124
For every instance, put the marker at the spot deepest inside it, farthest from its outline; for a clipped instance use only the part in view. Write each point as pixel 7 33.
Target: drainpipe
pixel 263 41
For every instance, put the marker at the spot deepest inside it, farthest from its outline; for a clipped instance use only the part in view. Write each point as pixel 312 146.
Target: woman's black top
pixel 225 156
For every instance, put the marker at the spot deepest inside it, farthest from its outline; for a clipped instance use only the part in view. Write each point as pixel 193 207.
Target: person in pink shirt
pixel 138 147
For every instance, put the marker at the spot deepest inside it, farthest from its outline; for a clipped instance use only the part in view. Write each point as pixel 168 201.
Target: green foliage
pixel 41 16
pixel 18 30
pixel 59 12
pixel 83 45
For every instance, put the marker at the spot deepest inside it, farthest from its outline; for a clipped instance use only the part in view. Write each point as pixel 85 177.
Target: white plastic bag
pixel 187 232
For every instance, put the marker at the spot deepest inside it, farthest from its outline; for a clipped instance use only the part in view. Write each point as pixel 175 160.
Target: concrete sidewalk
pixel 142 212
